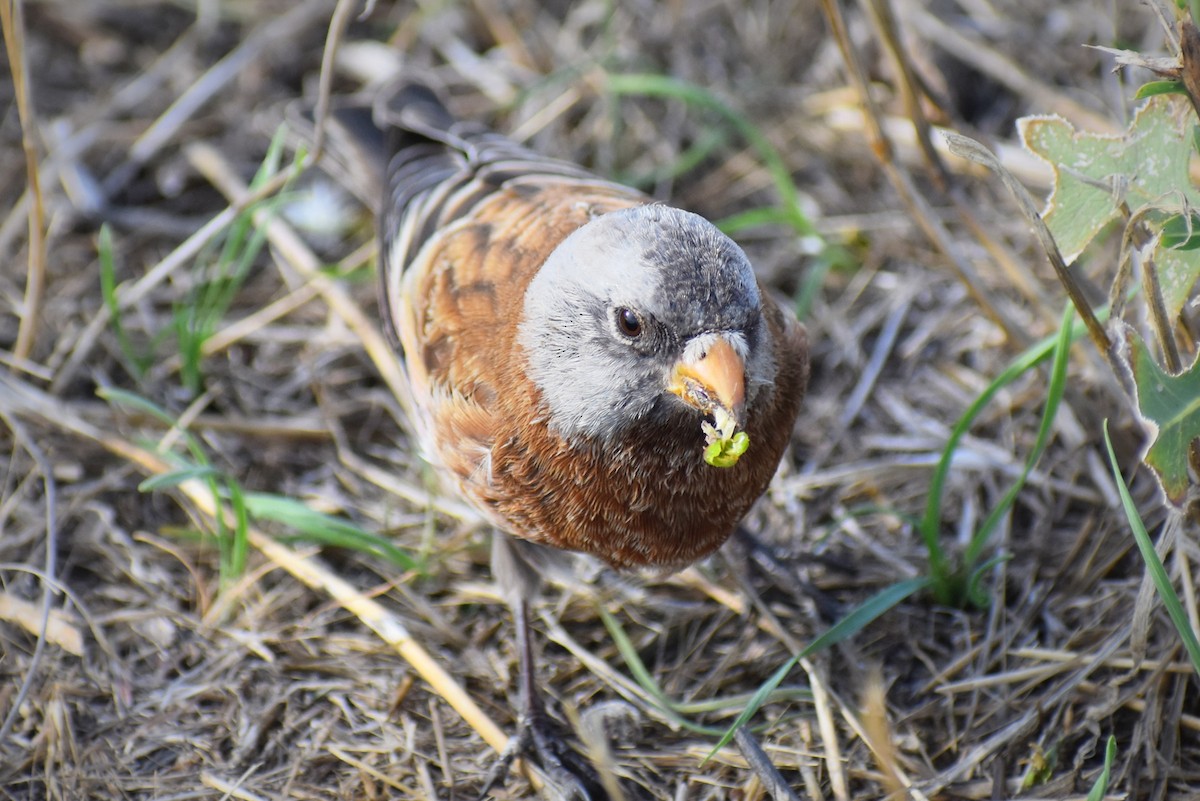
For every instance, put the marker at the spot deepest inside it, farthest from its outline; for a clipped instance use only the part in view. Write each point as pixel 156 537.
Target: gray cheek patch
pixel 590 382
pixel 658 260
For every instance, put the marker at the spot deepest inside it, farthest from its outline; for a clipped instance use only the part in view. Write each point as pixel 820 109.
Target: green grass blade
pixel 197 319
pixel 177 477
pixel 1054 394
pixel 236 547
pixel 669 706
pixel 847 627
pixel 1158 573
pixel 138 403
pixel 753 218
pixel 790 212
pixel 324 529
pixel 115 395
pixel 1100 787
pixel 642 676
pixel 813 280
pixel 724 704
pixel 930 527
pixel 233 546
pixel 651 85
pixel 707 142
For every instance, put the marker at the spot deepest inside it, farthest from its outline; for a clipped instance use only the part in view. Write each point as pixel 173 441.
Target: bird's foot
pixel 541 741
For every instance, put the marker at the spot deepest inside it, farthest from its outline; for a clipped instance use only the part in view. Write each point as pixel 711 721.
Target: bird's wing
pixel 457 306
pixel 468 217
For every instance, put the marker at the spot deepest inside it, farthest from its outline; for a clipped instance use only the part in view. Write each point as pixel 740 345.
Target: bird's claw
pixel 540 741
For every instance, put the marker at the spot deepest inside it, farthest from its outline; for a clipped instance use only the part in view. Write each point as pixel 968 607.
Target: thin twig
pixel 333 38
pixel 275 34
pixel 919 208
pixel 50 500
pixel 884 19
pixel 13 19
pixel 26 401
pixel 970 149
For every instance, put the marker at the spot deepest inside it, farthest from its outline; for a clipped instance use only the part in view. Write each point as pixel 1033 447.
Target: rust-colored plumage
pixel 568 343
pixel 647 500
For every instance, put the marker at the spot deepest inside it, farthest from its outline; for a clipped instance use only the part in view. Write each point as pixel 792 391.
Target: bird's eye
pixel 629 323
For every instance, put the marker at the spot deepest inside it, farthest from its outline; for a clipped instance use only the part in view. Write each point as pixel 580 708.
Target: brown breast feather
pixel 650 501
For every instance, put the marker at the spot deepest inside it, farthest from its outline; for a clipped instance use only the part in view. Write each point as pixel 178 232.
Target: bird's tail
pixel 362 135
pixel 395 147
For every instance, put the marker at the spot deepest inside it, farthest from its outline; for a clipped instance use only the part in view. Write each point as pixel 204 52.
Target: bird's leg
pixel 538 738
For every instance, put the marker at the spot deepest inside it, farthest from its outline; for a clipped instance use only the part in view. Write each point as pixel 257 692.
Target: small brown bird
pixel 575 351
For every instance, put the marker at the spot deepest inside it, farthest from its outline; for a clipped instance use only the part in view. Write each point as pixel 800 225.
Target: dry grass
pixel 304 677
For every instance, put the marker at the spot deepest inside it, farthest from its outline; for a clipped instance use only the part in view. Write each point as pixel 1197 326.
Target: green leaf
pixel 1151 157
pixel 1180 232
pixel 1178 269
pixel 1099 178
pixel 1159 88
pixel 1041 767
pixel 725 452
pixel 1171 403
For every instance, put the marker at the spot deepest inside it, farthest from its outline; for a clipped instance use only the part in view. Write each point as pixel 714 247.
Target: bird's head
pixel 646 313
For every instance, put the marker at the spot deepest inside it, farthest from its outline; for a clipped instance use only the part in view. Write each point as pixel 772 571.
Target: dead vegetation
pixel 162 674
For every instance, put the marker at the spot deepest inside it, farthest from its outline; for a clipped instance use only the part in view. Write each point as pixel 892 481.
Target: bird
pixel 593 370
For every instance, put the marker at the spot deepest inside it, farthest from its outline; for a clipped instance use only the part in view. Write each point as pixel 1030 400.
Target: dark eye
pixel 629 323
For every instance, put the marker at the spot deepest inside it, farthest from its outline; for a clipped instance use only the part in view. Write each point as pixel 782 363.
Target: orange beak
pixel 717 378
